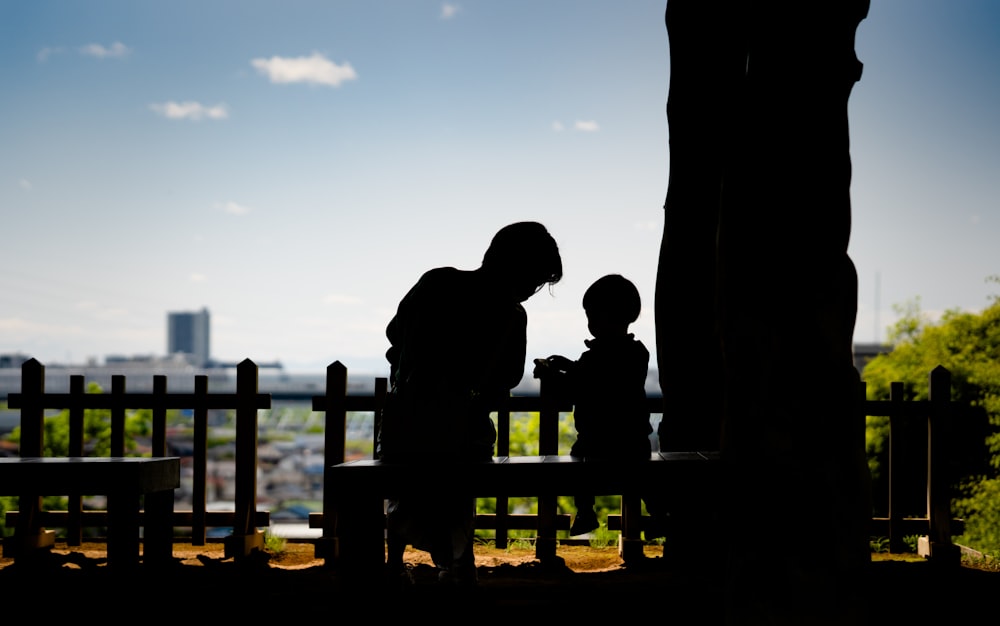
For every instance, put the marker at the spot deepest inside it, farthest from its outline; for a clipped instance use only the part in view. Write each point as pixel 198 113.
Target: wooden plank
pixel 94 475
pixel 181 519
pixel 487 521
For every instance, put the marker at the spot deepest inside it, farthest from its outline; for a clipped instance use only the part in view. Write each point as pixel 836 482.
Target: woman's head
pixel 525 254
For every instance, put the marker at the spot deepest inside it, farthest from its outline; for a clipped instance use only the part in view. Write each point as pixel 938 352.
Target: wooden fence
pixel 936 415
pixel 33 401
pixel 937 523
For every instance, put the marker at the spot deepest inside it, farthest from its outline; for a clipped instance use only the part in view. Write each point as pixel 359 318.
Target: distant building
pixel 188 335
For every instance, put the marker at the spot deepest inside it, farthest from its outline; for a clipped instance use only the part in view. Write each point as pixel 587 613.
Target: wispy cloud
pixel 315 69
pixel 234 209
pixel 25 184
pixel 190 111
pixel 448 10
pixel 582 126
pixel 44 54
pixel 117 50
pixel 198 278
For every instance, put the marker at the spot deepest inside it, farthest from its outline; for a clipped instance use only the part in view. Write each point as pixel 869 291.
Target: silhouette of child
pixel 607 386
pixel 457 344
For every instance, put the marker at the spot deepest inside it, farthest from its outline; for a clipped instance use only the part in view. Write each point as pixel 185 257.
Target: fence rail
pixel 937 522
pixel 33 401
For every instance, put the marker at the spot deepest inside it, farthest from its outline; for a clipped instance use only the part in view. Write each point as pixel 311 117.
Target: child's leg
pixel 394 538
pixel 657 525
pixel 586 519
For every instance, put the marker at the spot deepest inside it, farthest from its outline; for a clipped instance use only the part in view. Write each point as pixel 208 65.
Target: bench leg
pixel 361 535
pixel 158 540
pixel 123 530
pixel 630 546
pixel 29 538
pixel 545 542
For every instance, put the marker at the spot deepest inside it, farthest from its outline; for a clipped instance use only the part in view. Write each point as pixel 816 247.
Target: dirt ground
pixel 514 586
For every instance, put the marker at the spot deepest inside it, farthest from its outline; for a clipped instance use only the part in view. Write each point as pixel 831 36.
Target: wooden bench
pixel 127 481
pixel 360 487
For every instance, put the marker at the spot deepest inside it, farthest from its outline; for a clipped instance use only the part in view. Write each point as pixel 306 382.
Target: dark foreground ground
pixel 75 584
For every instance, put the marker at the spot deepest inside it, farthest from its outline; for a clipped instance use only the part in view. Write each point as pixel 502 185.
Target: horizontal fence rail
pixel 33 401
pixel 335 403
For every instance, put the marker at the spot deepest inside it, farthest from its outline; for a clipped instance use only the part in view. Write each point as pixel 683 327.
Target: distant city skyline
pixel 295 167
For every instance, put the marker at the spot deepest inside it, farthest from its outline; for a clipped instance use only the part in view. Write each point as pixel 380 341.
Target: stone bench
pixel 129 482
pixel 359 489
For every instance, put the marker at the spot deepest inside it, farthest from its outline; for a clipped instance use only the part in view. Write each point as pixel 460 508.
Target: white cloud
pixel 197 278
pixel 25 184
pixel 234 209
pixel 190 111
pixel 117 50
pixel 315 69
pixel 45 53
pixel 449 11
pixel 558 126
pixel 587 126
pixel 339 298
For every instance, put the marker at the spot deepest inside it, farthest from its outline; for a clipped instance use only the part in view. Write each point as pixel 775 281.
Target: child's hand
pixel 553 365
pixel 560 363
pixel 541 368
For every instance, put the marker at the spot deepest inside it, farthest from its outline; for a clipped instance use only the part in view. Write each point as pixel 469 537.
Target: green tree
pixel 96 430
pixel 968 345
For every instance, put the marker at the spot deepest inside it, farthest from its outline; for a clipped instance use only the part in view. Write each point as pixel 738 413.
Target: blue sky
pixel 295 166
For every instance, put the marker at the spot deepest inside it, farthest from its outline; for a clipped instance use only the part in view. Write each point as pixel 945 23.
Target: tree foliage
pixel 968 345
pixel 96 430
pixel 96 441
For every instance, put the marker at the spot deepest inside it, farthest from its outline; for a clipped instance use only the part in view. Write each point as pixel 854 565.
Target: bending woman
pixel 458 344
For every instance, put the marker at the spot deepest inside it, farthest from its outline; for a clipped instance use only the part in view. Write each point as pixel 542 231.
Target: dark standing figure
pixel 607 386
pixel 458 343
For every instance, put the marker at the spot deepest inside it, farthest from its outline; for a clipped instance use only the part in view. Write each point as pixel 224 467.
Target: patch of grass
pixel 273 543
pixel 602 537
pixel 985 562
pixel 879 544
pixel 520 543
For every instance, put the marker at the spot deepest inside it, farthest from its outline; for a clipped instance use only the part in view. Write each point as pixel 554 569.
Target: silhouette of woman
pixel 458 343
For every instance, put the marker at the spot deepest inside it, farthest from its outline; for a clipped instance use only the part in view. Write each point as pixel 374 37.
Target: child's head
pixel 611 304
pixel 526 255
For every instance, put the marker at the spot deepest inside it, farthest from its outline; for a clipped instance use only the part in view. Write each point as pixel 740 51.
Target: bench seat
pixel 129 482
pixel 361 486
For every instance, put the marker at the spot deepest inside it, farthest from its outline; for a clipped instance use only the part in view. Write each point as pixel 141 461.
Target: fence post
pixel 158 548
pixel 502 500
pixel 159 441
pixel 895 513
pixel 381 394
pixel 74 505
pixel 333 405
pixel 942 550
pixel 29 534
pixel 548 445
pixel 118 415
pixel 246 538
pixel 199 461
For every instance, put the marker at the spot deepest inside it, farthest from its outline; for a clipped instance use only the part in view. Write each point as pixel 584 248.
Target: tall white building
pixel 187 334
